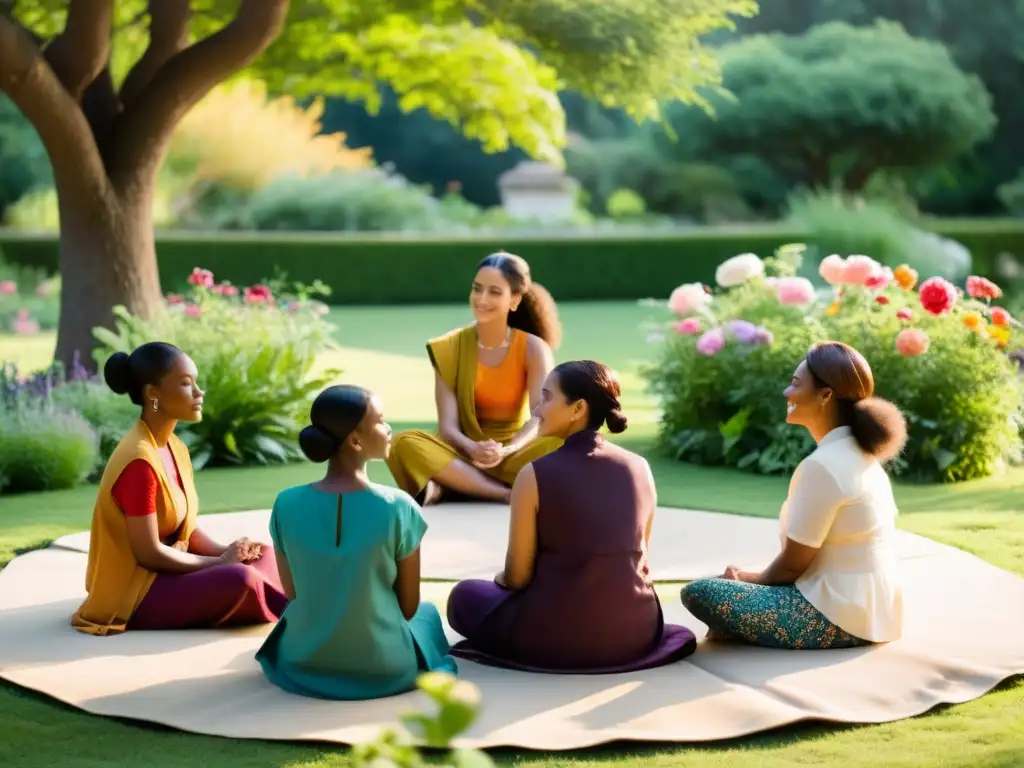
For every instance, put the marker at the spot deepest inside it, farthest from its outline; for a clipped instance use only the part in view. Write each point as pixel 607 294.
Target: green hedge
pixel 395 269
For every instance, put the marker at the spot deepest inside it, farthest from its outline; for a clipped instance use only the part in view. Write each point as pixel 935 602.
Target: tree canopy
pixel 105 84
pixel 841 102
pixel 491 67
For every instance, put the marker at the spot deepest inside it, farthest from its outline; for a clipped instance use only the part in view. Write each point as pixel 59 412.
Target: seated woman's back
pixel 343 564
pixel 348 553
pixel 591 574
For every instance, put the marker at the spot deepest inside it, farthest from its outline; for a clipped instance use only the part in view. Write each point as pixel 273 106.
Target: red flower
pixel 8 287
pixel 173 298
pixel 202 278
pixel 882 299
pixel 937 295
pixel 193 310
pixel 258 294
pixel 905 314
pixel 1000 316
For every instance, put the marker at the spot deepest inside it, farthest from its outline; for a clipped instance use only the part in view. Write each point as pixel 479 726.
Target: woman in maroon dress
pixel 576 594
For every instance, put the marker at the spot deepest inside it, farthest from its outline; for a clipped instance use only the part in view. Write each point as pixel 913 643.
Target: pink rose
pixel 833 269
pixel 860 269
pixel 687 299
pixel 879 279
pixel 981 288
pixel 905 314
pixel 225 289
pixel 8 287
pixel 173 298
pixel 712 342
pixel 794 290
pixel 911 342
pixel 202 278
pixel 688 327
pixel 192 310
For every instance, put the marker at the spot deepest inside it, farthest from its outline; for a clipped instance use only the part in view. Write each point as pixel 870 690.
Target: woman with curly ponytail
pixel 834 584
pixel 488 380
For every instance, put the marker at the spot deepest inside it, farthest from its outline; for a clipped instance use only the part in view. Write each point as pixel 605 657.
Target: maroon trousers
pixel 229 595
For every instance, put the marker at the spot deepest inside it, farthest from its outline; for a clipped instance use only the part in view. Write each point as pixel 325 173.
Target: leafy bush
pixel 257 353
pixel 44 448
pixel 458 702
pixel 727 360
pixel 1011 195
pixel 845 224
pixel 75 391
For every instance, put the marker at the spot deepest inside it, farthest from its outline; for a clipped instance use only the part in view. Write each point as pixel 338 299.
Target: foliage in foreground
pixel 458 702
pixel 256 351
pixel 939 355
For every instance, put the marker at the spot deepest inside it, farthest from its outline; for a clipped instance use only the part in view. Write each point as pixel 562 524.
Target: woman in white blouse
pixel 834 584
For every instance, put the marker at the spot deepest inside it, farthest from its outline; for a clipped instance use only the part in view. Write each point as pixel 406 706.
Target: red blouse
pixel 136 489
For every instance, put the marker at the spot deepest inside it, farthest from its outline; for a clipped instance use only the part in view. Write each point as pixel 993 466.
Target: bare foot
pixel 431 494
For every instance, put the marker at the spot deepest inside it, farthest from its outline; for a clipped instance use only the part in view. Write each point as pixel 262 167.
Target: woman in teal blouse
pixel 348 557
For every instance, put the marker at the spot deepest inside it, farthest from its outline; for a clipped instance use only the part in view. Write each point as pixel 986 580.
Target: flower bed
pixel 947 357
pixel 256 350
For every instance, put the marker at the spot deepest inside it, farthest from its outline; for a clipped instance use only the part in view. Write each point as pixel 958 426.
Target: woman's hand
pixel 242 551
pixel 487 454
pixel 734 573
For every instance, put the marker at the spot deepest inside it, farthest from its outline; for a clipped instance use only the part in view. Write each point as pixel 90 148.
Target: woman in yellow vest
pixel 488 378
pixel 150 566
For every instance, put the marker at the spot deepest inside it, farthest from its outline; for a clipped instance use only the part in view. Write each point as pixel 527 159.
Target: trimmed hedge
pixel 399 269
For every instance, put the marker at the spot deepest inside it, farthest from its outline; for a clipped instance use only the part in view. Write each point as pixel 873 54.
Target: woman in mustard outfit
pixel 488 380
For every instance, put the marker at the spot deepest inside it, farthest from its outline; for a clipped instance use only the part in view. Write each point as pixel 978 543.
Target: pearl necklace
pixel 508 337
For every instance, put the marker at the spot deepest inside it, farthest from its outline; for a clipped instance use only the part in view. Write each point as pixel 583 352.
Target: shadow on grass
pixel 276 753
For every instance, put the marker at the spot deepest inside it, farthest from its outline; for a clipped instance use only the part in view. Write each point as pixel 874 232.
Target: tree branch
pixel 101 106
pixel 34 88
pixel 79 53
pixel 140 137
pixel 168 36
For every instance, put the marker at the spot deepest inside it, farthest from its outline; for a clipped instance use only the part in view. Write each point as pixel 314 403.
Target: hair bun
pixel 117 372
pixel 879 427
pixel 616 421
pixel 316 444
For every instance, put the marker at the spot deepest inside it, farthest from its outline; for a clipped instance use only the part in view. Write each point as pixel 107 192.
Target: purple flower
pixel 764 337
pixel 1018 357
pixel 742 331
pixel 711 342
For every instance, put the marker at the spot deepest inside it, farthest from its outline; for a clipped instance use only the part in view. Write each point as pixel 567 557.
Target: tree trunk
pixel 107 258
pixel 106 148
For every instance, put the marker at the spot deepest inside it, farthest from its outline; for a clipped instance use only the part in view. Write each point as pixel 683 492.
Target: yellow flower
pixel 832 309
pixel 972 320
pixel 1000 334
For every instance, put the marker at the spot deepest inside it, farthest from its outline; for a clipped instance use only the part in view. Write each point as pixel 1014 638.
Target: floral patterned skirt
pixel 776 617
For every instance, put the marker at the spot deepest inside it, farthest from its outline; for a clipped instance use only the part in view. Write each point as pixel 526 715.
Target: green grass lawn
pixel 383 348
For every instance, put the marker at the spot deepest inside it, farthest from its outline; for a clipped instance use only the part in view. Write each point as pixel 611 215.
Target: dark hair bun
pixel 879 427
pixel 117 372
pixel 317 445
pixel 616 421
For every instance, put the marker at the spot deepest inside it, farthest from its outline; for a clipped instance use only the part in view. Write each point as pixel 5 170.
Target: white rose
pixel 738 270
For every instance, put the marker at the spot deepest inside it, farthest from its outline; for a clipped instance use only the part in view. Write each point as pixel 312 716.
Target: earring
pixel 156 404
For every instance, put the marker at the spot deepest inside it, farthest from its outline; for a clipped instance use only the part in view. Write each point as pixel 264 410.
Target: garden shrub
pixel 75 391
pixel 44 448
pixel 730 354
pixel 257 353
pixel 835 223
